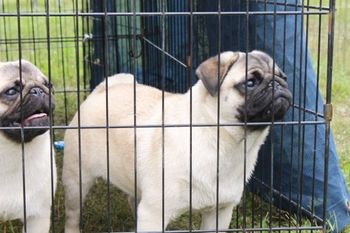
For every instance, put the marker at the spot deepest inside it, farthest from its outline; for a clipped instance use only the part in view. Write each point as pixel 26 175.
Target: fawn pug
pixel 163 154
pixel 26 103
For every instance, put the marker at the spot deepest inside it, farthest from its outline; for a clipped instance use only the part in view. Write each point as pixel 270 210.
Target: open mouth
pixel 35 118
pixel 33 115
pixel 39 120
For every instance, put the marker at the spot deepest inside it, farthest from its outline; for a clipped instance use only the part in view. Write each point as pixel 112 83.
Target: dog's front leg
pixel 38 224
pixel 150 217
pixel 224 218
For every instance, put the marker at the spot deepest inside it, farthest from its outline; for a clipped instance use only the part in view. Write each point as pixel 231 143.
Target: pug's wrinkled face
pixel 24 101
pixel 252 89
pixel 268 97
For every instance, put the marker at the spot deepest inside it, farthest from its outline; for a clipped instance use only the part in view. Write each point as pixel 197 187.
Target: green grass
pixel 341 88
pixel 63 66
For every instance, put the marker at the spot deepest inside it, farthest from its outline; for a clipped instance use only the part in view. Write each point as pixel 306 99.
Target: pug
pixel 26 104
pixel 202 144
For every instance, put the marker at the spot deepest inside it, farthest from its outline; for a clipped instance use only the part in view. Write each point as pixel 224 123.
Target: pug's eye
pixel 251 82
pixel 12 91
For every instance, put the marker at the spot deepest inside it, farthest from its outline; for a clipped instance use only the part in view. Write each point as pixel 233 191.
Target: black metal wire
pixel 293 109
pixel 52 163
pixel 273 118
pixel 163 71
pixel 77 63
pixel 305 75
pixel 190 74
pixel 219 17
pixel 247 37
pixel 19 33
pixel 316 109
pixel 164 52
pixel 85 29
pixel 264 48
pixel 105 72
pixel 281 151
pixel 33 30
pixel 133 68
pixel 173 125
pixel 5 33
pixel 62 65
pixel 88 56
pixel 300 114
pixel 331 22
pixel 151 14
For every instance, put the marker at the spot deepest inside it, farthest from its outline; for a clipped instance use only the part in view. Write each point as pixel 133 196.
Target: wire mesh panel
pixel 78 44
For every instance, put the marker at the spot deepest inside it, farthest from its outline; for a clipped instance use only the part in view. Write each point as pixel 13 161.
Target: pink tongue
pixel 38 115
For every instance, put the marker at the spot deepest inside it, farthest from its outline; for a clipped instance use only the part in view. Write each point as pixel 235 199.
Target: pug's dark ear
pixel 208 71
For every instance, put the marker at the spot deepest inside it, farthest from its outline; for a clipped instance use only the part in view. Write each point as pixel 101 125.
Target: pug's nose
pixel 36 91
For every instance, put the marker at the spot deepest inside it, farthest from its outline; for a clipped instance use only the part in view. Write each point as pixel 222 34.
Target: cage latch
pixel 328 112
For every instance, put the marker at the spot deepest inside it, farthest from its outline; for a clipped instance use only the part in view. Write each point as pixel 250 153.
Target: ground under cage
pixel 77 44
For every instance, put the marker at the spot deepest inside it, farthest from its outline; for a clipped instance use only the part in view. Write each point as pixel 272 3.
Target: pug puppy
pixel 173 159
pixel 25 104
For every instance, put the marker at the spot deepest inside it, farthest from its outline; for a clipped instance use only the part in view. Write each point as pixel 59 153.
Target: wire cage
pixel 78 43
